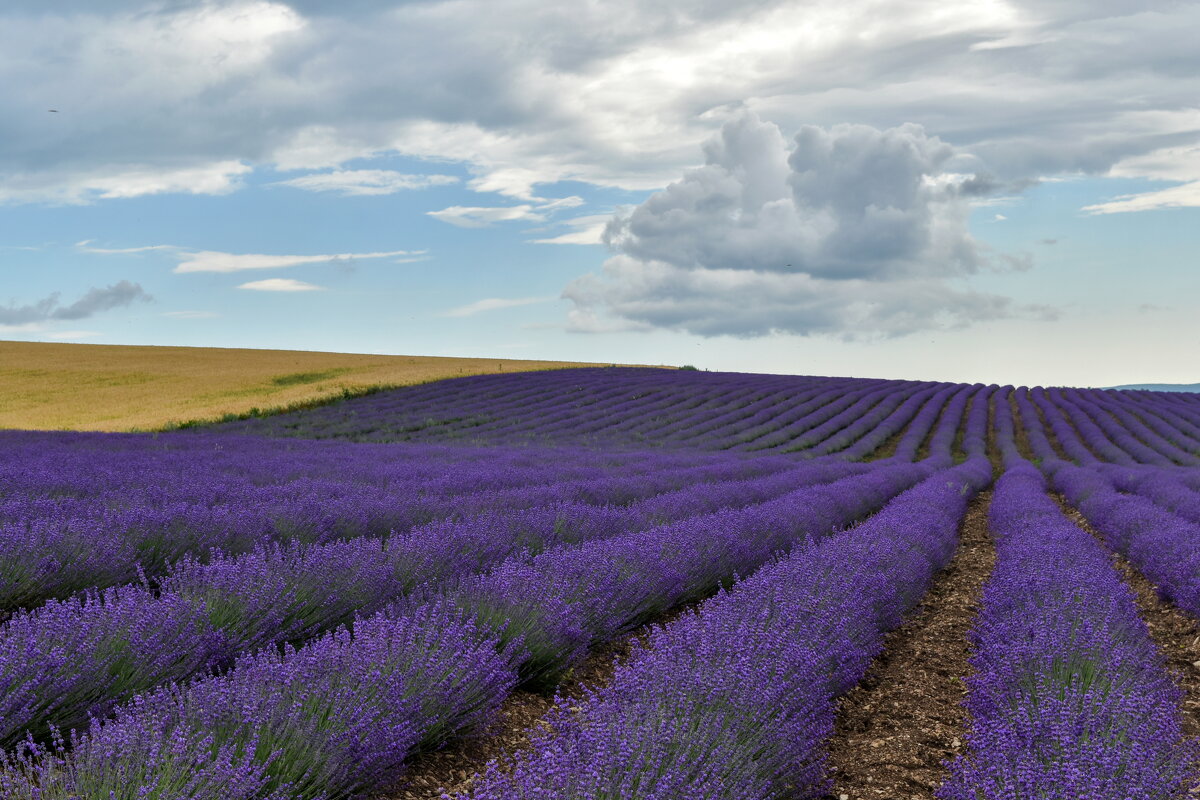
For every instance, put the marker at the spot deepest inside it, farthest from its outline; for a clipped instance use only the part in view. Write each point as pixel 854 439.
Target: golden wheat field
pixel 54 386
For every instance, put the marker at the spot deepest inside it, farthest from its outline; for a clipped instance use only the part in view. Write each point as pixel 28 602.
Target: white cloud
pixel 58 186
pixel 86 247
pixel 22 327
pixel 527 93
pixel 280 285
pixel 360 182
pixel 588 230
pixel 481 217
pixel 853 231
pixel 1186 195
pixel 1166 164
pixel 216 261
pixel 562 202
pixel 493 304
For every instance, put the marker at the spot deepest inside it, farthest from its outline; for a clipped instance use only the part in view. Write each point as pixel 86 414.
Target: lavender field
pixel 612 583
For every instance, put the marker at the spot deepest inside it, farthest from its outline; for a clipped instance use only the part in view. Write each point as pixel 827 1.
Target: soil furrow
pixel 1173 631
pixel 993 447
pixel 1022 433
pixel 897 727
pixel 453 768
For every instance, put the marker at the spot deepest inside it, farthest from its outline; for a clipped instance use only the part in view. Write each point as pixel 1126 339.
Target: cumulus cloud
pixel 850 230
pixel 746 303
pixel 360 182
pixel 492 304
pixel 94 301
pixel 181 95
pixel 280 285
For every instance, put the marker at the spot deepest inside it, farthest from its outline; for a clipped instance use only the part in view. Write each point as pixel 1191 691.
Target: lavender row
pixel 1168 488
pixel 1160 438
pixel 941 441
pixel 615 406
pixel 736 701
pixel 1068 697
pixel 344 712
pixel 775 426
pixel 918 430
pixel 1103 433
pixel 129 639
pixel 627 407
pixel 855 428
pixel 1160 544
pixel 889 426
pixel 56 546
pixel 564 600
pixel 1180 430
pixel 1059 427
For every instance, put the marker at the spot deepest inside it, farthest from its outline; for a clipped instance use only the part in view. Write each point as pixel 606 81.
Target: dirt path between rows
pixel 1173 631
pixel 1021 432
pixel 896 728
pixel 453 768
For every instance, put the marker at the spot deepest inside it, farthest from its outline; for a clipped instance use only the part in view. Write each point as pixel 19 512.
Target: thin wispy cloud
pixel 220 261
pixel 367 182
pixel 481 217
pixel 588 230
pixel 1185 195
pixel 494 304
pixel 216 261
pixel 86 247
pixel 280 285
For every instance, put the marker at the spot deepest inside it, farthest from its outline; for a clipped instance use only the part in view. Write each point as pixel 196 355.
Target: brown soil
pixel 956 449
pixel 1173 632
pixel 1022 433
pixel 454 768
pixel 897 727
pixel 888 448
pixel 993 449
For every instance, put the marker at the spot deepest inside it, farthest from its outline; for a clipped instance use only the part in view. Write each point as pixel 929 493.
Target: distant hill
pixel 49 385
pixel 1161 387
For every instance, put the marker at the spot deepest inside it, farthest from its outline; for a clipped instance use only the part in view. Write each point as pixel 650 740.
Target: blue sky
pixel 994 191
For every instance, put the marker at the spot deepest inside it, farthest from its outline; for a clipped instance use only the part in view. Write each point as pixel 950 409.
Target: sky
pixel 1002 192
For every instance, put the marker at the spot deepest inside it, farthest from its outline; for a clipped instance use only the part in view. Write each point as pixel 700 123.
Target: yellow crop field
pixel 53 386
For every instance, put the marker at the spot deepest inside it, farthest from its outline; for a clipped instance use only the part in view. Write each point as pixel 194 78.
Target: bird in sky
pixel 52 110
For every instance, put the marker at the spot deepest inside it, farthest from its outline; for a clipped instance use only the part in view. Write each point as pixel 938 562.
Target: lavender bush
pixel 1069 697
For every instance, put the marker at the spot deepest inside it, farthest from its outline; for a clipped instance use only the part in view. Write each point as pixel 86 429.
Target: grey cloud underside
pixel 852 202
pixel 851 231
pixel 748 305
pixel 95 301
pixel 1063 96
